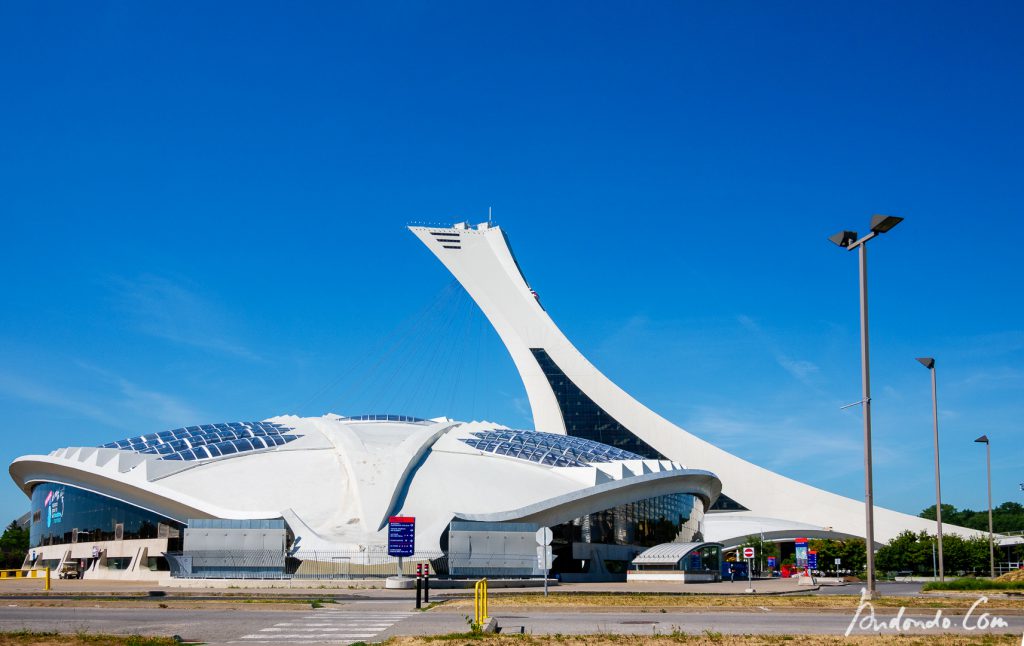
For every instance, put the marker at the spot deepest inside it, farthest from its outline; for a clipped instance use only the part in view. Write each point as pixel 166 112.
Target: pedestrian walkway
pixel 334 626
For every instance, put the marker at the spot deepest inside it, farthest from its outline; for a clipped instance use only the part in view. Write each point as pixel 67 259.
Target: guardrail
pixel 28 574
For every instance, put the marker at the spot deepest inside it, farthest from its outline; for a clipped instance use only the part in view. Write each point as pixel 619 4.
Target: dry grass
pixel 655 602
pixel 178 603
pixel 1016 575
pixel 708 639
pixel 25 638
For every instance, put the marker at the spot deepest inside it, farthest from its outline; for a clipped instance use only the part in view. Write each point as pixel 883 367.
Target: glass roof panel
pixel 547 448
pixel 208 440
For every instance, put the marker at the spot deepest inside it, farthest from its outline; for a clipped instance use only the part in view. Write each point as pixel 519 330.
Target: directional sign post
pixel 401 538
pixel 544 537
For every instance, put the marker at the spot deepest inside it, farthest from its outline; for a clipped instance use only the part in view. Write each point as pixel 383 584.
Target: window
pixel 68 514
pixel 584 418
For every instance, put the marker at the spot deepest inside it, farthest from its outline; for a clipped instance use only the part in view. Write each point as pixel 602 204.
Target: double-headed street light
pixel 849 240
pixel 991 544
pixel 929 362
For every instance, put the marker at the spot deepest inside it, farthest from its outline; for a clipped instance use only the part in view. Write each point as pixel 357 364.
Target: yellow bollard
pixel 46 586
pixel 480 603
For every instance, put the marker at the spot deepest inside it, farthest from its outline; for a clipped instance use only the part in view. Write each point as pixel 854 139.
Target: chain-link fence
pixel 304 564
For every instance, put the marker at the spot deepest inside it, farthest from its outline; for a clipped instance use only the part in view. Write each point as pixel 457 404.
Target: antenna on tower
pixel 488 215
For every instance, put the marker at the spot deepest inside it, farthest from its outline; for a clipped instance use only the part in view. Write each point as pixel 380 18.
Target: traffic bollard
pixel 419 579
pixel 426 583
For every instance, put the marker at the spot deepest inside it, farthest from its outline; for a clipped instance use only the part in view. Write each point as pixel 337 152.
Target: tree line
pixel 1007 517
pixel 915 551
pixel 13 546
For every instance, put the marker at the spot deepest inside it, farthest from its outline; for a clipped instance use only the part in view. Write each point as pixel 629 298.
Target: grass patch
pixel 972 584
pixel 655 602
pixel 30 638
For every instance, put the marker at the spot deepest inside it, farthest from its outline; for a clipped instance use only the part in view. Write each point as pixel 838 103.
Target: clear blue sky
pixel 202 209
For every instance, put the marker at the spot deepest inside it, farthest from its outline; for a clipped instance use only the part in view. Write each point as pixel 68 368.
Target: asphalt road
pixel 377 620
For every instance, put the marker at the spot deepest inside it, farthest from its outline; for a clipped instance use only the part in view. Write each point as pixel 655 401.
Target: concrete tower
pixel 569 395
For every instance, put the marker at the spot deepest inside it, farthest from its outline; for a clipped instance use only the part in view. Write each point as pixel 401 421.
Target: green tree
pixel 908 552
pixel 828 551
pixel 850 553
pixel 913 552
pixel 1007 517
pixel 13 546
pixel 854 555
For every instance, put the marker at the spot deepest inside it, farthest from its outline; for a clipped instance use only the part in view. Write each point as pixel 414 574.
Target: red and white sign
pixel 748 552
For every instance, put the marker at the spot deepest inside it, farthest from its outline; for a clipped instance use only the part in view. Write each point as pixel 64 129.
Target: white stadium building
pixel 610 477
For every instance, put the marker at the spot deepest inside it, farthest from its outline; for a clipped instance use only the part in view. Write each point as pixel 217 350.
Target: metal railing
pixel 33 573
pixel 302 565
pixel 367 564
pixel 1008 566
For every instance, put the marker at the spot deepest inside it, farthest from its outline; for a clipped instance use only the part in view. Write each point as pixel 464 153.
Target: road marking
pixel 334 626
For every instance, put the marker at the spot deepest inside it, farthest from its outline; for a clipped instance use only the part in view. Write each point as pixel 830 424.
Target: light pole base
pixel 869 596
pixel 400 583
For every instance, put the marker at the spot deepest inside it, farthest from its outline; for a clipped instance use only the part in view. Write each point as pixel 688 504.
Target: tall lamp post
pixel 991 544
pixel 849 241
pixel 929 362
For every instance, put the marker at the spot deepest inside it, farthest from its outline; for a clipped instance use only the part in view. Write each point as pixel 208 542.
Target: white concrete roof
pixel 337 480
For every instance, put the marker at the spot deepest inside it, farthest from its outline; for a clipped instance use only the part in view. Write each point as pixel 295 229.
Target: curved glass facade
pixel 59 510
pixel 675 518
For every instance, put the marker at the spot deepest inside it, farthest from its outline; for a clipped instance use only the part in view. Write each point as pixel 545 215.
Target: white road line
pixel 336 626
pixel 332 636
pixel 365 624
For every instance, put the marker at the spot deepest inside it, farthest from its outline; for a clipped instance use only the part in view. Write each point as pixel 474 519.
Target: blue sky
pixel 203 213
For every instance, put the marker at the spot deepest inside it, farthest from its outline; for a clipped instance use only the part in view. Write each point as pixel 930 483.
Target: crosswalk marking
pixel 329 625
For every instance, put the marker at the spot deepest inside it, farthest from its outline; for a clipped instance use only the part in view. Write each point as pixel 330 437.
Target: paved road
pixel 374 621
pixel 371 621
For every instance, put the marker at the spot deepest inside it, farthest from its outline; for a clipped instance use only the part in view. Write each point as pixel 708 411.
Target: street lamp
pixel 991 544
pixel 849 241
pixel 929 362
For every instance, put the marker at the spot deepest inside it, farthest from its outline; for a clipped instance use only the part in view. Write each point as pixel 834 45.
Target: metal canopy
pixel 668 553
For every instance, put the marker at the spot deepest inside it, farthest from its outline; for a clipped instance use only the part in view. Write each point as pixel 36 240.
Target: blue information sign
pixel 401 535
pixel 801 552
pixel 812 560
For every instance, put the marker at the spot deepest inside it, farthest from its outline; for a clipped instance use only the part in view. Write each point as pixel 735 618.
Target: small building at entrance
pixel 682 562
